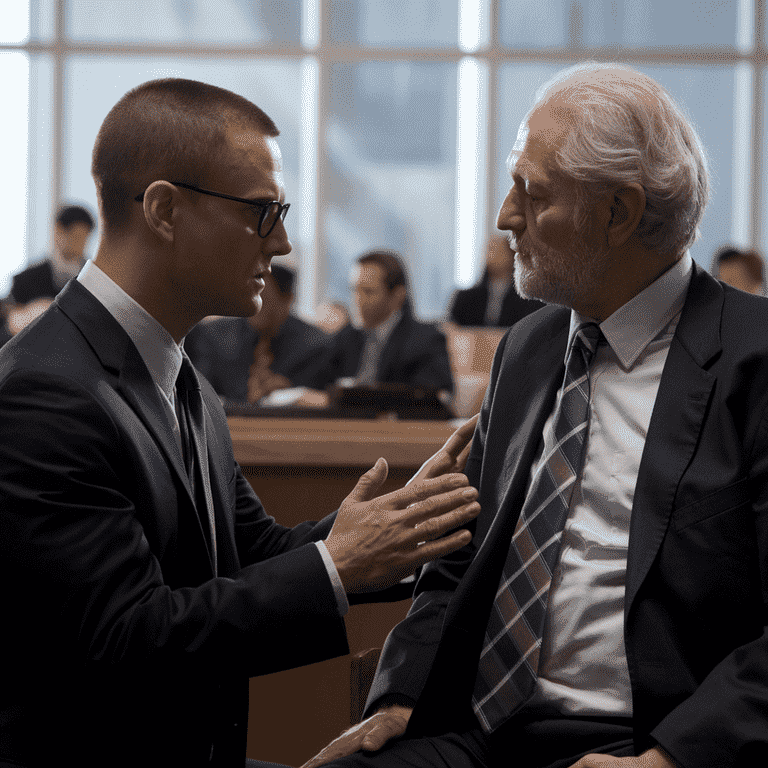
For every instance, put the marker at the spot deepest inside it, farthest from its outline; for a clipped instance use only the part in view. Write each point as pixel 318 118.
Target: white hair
pixel 628 129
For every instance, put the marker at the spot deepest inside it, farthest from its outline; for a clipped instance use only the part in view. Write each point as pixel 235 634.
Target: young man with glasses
pixel 145 583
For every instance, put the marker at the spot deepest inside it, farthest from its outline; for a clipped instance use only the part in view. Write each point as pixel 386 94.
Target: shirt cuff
pixel 333 575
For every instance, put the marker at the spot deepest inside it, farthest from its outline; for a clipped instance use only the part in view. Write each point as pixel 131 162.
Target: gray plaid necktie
pixel 509 661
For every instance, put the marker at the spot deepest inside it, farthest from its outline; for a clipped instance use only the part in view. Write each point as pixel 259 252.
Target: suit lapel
pixel 678 415
pixel 119 356
pixel 518 414
pixel 392 348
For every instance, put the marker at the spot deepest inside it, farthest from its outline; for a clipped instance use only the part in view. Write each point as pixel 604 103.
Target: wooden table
pixel 302 470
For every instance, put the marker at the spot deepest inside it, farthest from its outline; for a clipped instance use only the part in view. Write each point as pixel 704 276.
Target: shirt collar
pixel 161 354
pixel 383 330
pixel 634 325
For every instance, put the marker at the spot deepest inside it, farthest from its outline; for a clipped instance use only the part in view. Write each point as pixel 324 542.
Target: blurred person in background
pixel 740 269
pixel 386 343
pixel 34 288
pixel 494 300
pixel 247 358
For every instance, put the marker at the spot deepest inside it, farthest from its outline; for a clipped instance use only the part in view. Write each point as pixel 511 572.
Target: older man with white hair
pixel 611 608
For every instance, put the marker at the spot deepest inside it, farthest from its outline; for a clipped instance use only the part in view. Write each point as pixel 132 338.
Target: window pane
pixel 397 23
pixel 40 212
pixel 706 95
pixel 636 24
pixel 94 84
pixel 175 21
pixel 391 145
pixel 14 71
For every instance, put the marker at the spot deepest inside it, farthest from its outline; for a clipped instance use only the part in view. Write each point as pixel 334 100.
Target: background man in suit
pixel 611 608
pixel 246 359
pixel 494 300
pixel 144 582
pixel 33 289
pixel 390 345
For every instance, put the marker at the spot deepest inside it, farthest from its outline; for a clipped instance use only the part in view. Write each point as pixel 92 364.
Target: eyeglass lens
pixel 269 217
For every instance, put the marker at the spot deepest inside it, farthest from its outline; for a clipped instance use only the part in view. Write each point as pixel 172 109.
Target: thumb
pixel 375 739
pixel 369 484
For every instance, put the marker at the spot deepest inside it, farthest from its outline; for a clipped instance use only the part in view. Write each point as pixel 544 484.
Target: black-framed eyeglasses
pixel 270 211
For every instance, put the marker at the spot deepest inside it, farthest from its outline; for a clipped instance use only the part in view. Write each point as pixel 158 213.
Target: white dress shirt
pixel 583 664
pixel 163 358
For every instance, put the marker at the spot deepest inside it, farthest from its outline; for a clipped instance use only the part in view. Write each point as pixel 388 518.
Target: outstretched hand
pixel 452 457
pixel 377 541
pixel 370 735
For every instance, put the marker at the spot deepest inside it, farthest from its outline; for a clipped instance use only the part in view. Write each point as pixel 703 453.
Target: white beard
pixel 558 277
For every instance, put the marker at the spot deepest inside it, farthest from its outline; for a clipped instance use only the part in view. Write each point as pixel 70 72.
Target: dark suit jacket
pixel 222 350
pixel 468 306
pixel 119 647
pixel 416 353
pixel 35 282
pixel 697 573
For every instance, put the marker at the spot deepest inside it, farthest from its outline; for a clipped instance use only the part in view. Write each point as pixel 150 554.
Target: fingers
pixel 424 489
pixel 381 733
pixel 432 550
pixel 371 735
pixel 428 513
pixel 461 438
pixel 369 484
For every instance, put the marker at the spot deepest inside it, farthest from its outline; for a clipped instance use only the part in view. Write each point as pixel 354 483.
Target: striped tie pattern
pixel 510 657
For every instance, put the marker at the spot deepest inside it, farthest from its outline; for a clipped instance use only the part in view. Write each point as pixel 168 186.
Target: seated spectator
pixel 388 345
pixel 246 359
pixel 332 316
pixel 740 269
pixel 45 279
pixel 494 300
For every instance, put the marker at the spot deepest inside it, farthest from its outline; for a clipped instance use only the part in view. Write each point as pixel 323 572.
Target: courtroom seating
pixel 471 351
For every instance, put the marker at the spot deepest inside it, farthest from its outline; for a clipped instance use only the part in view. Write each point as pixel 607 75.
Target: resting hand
pixel 452 457
pixel 376 542
pixel 653 758
pixel 371 735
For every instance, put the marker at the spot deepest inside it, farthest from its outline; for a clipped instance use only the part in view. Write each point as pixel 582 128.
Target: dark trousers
pixel 523 742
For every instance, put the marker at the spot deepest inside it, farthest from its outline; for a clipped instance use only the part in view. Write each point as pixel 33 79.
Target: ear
pixel 159 201
pixel 627 205
pixel 398 295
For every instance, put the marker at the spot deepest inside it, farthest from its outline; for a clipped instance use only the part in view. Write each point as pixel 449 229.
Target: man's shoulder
pixel 40 268
pixel 297 328
pixel 35 278
pixel 51 345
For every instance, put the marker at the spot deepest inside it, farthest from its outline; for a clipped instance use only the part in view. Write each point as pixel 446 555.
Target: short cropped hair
pixel 628 129
pixel 750 260
pixel 170 129
pixel 74 214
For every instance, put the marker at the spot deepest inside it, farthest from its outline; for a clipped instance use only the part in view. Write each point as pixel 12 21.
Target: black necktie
pixel 191 413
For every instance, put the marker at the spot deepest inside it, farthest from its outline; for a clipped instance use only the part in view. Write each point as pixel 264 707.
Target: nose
pixel 511 214
pixel 279 244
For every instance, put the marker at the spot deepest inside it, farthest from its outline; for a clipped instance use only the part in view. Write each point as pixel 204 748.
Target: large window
pixel 396 116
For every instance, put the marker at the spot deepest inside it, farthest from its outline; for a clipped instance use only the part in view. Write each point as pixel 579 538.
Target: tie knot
pixel 187 379
pixel 588 336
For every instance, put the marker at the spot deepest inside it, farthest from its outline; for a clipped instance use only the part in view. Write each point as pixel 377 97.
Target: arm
pixel 97 538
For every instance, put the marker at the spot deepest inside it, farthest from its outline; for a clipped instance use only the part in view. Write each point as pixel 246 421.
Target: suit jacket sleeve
pixel 99 541
pixel 724 722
